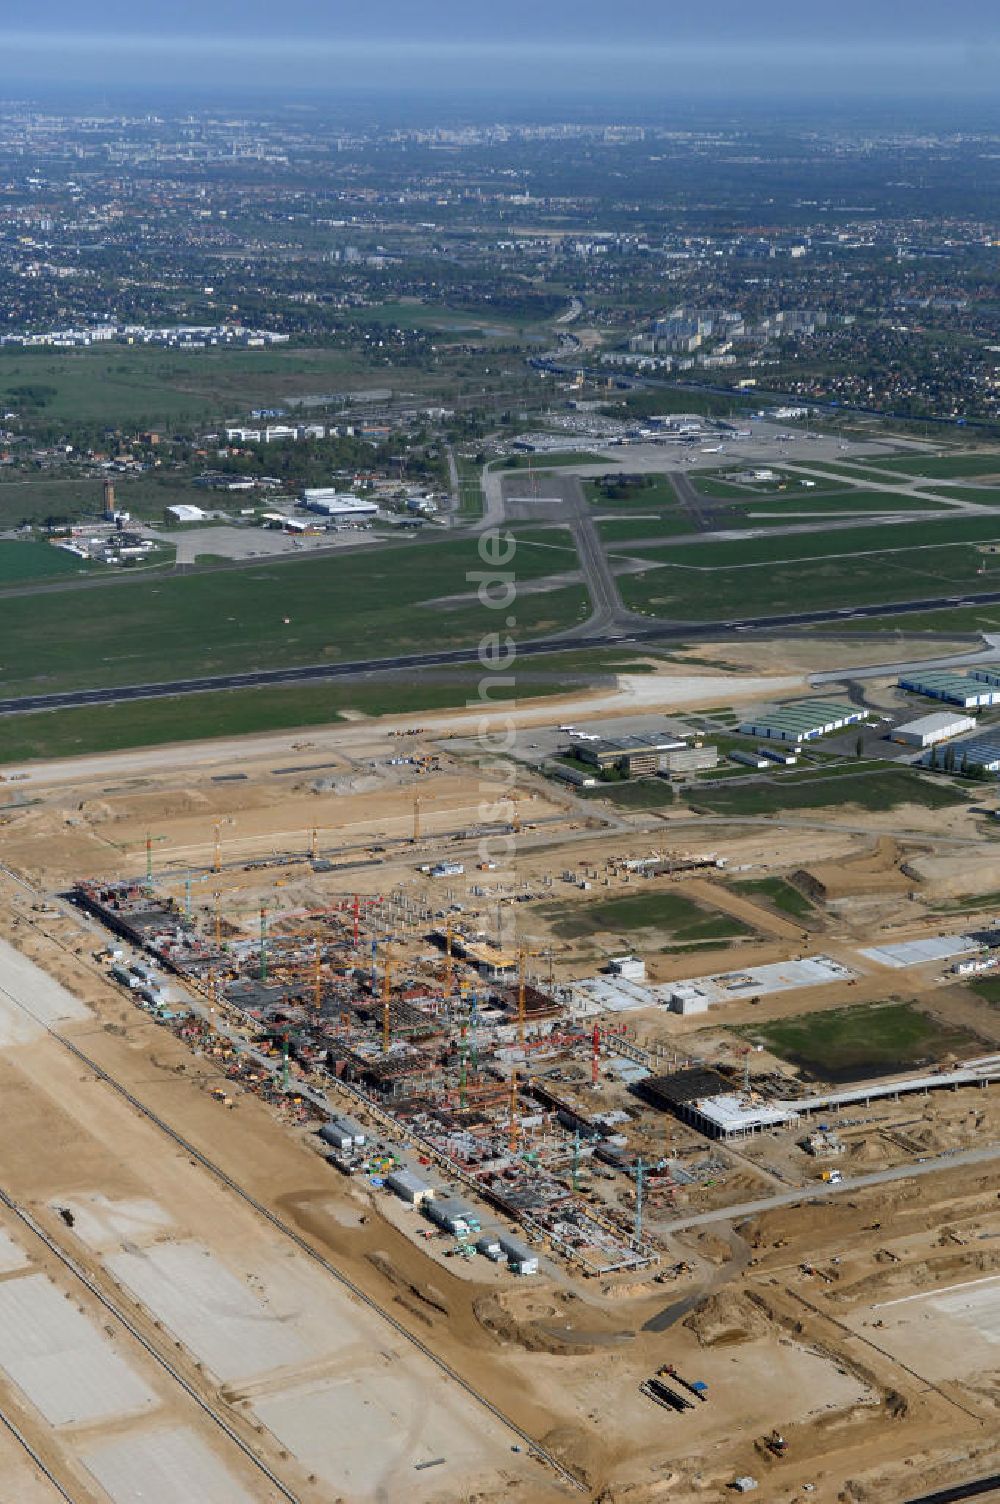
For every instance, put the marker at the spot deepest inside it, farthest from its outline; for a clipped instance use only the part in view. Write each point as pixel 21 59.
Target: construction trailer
pixel 343 1133
pixel 519 1256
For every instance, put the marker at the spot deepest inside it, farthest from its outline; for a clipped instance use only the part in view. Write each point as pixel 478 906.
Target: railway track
pixel 30 1452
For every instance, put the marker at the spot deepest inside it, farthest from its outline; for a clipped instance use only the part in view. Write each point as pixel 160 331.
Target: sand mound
pixel 726 1319
pixel 532 1336
pixel 874 873
pixel 95 811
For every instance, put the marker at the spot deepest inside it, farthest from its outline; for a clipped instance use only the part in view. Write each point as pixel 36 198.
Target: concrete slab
pixel 949 1333
pixel 30 1000
pixel 365 1435
pixel 59 1359
pixel 239 1328
pixel 105 1225
pixel 920 952
pixel 12 1256
pixel 163 1467
pixel 617 995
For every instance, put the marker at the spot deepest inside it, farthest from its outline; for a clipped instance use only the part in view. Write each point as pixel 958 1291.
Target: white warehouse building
pixel 338 505
pixel 929 730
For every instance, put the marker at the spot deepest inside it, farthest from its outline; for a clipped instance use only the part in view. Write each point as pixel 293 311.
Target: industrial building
pixel 985 675
pixel 183 511
pixel 409 1187
pixel 689 760
pixel 802 721
pixel 750 759
pixel 954 689
pixel 981 751
pixel 928 730
pixel 631 755
pixel 706 1099
pixel 337 506
pixel 566 774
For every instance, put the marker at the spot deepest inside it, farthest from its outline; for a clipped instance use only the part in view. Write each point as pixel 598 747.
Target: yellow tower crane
pixel 512 1129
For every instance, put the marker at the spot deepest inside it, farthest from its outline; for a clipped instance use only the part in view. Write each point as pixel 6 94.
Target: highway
pixel 575 639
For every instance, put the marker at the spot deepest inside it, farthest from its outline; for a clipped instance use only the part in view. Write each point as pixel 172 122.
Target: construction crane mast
pixel 386 999
pixel 512 1129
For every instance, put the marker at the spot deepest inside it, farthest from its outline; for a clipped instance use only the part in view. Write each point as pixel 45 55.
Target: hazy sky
pixel 761 47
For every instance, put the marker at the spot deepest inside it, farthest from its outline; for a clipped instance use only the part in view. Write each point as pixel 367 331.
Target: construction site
pixel 414 1129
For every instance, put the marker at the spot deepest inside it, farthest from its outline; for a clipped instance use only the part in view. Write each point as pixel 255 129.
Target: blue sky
pixel 763 47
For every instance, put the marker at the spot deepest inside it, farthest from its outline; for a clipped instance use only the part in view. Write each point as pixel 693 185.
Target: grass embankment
pixel 856 1043
pixel 664 917
pixel 778 894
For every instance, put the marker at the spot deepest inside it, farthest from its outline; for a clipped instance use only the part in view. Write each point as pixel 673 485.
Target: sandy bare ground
pixel 260 1331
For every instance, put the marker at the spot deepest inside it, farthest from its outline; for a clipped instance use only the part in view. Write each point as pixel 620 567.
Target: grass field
pixel 22 562
pixel 906 537
pixel 943 467
pixel 828 575
pixel 986 987
pixel 656 524
pixel 950 621
pixel 270 614
pixel 637 793
pixel 779 894
pixel 855 1044
pixel 155 387
pixel 673 918
pixel 872 791
pixel 659 496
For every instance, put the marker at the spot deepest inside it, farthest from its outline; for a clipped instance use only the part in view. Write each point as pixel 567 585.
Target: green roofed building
pixel 967 690
pixel 802 721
